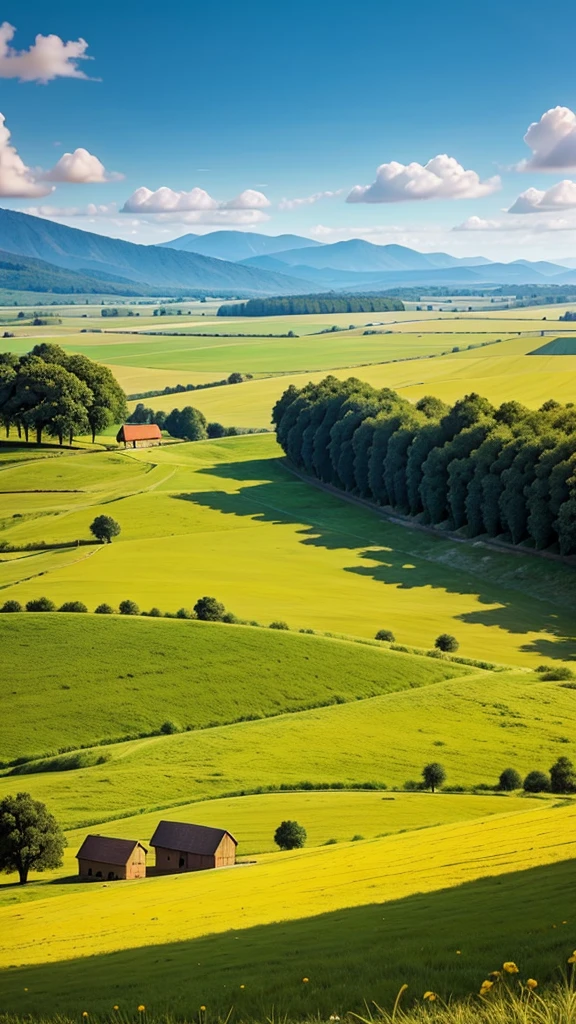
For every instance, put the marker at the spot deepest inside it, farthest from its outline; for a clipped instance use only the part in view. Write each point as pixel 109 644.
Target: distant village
pixel 179 847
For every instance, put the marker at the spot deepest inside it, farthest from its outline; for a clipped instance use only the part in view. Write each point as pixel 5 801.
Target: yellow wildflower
pixel 305 980
pixel 495 975
pixel 510 967
pixel 531 983
pixel 84 1013
pixel 458 952
pixel 242 986
pixel 485 987
pixel 202 1008
pixel 141 1008
pixel 572 959
pixel 430 996
pixel 115 1007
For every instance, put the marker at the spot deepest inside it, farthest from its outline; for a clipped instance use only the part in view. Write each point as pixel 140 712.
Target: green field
pixel 557 347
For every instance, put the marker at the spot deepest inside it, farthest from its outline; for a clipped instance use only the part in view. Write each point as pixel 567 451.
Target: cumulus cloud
pixel 80 167
pixel 90 210
pixel 561 196
pixel 441 178
pixel 197 206
pixel 49 57
pixel 552 140
pixel 539 226
pixel 294 204
pixel 16 179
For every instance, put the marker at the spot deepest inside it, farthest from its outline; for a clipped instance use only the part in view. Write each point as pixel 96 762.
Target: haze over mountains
pixel 243 263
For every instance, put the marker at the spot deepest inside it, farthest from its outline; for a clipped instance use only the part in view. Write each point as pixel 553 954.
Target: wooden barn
pixel 182 847
pixel 139 435
pixel 112 859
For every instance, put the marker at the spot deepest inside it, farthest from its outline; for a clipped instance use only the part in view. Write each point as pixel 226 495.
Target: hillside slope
pixel 238 245
pixel 85 251
pixel 25 274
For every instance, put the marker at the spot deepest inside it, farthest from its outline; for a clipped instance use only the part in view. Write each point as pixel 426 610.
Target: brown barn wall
pixel 135 868
pixel 225 855
pixel 175 860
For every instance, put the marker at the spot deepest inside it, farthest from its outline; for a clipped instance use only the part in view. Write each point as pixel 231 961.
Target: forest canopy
pixel 508 472
pixel 298 305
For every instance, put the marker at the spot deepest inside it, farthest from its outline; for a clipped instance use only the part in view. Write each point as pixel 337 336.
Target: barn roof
pixel 139 432
pixel 107 850
pixel 177 835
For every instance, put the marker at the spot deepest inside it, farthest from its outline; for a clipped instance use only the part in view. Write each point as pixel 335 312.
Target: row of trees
pixel 507 472
pixel 298 305
pixel 49 391
pixel 188 424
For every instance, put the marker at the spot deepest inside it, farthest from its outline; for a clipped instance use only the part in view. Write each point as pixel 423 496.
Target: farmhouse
pixel 139 435
pixel 103 857
pixel 181 847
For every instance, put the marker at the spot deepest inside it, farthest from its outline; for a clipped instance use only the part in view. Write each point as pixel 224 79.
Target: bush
pixel 183 613
pixel 155 613
pixel 385 634
pixel 73 606
pixel 208 609
pixel 356 838
pixel 433 776
pixel 104 609
pixel 290 835
pixel 129 608
pixel 557 674
pixel 230 618
pixel 537 782
pixel 563 776
pixel 446 643
pixel 41 604
pixel 216 430
pixel 168 728
pixel 279 624
pixel 509 780
pixel 11 606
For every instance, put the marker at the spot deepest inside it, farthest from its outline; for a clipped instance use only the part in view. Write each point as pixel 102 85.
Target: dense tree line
pixel 507 472
pixel 297 305
pixel 49 391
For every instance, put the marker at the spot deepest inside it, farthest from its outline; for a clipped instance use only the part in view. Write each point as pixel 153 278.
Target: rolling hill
pixel 86 252
pixel 32 275
pixel 238 245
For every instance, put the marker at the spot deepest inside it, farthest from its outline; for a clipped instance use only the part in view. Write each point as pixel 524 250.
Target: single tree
pixel 30 837
pixel 129 608
pixel 209 609
pixel 290 835
pixel 434 775
pixel 563 776
pixel 41 604
pixel 447 643
pixel 73 606
pixel 104 609
pixel 537 782
pixel 104 528
pixel 11 606
pixel 509 780
pixel 385 634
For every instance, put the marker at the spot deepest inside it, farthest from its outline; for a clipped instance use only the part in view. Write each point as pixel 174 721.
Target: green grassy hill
pixel 105 678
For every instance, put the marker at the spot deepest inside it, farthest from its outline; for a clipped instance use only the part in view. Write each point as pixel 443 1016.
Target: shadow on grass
pixel 446 940
pixel 521 592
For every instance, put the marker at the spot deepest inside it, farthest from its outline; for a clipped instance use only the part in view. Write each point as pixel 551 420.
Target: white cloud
pixel 80 167
pixel 441 178
pixel 197 206
pixel 561 196
pixel 16 179
pixel 540 225
pixel 294 204
pixel 552 140
pixel 90 210
pixel 49 57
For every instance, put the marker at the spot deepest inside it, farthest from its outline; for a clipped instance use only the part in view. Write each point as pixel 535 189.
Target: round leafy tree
pixel 563 776
pixel 41 604
pixel 11 606
pixel 385 634
pixel 434 775
pixel 129 608
pixel 447 643
pixel 209 609
pixel 537 782
pixel 30 837
pixel 104 528
pixel 509 780
pixel 73 606
pixel 104 609
pixel 290 835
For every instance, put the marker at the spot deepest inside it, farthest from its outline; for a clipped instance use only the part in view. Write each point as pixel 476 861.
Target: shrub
pixel 557 674
pixel 41 604
pixel 279 624
pixel 104 609
pixel 11 606
pixel 446 643
pixel 290 835
pixel 509 780
pixel 230 618
pixel 330 842
pixel 183 613
pixel 208 609
pixel 385 634
pixel 104 528
pixel 537 782
pixel 356 838
pixel 433 775
pixel 563 776
pixel 73 606
pixel 129 608
pixel 168 728
pixel 155 613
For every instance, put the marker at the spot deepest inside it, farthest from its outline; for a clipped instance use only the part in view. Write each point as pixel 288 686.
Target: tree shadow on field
pixel 391 553
pixel 447 941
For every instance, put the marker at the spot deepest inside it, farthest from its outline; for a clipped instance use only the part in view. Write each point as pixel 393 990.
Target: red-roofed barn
pixel 139 434
pixel 105 857
pixel 183 847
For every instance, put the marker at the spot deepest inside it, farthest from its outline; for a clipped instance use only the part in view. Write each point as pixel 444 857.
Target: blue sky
pixel 258 103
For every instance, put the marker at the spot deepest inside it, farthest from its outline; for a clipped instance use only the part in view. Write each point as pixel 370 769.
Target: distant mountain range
pixel 243 263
